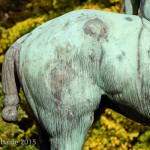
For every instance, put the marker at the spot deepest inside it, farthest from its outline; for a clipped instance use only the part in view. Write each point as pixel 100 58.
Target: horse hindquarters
pixel 71 121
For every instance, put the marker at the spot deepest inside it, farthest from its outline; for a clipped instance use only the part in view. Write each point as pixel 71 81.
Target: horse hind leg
pixel 72 117
pixel 71 134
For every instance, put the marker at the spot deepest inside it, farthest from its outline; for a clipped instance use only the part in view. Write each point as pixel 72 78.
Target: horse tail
pixel 9 85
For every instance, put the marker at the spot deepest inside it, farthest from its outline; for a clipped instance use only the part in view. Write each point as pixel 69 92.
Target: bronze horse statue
pixel 74 66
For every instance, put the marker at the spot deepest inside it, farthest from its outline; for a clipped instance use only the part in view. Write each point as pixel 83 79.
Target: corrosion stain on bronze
pixel 70 115
pixel 95 28
pixel 148 53
pixel 69 63
pixel 92 56
pixel 129 19
pixel 61 76
pixel 58 79
pixel 67 23
pixel 59 51
pixel 121 56
pixel 101 56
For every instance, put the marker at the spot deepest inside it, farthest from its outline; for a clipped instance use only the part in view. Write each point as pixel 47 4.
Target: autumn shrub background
pixel 112 132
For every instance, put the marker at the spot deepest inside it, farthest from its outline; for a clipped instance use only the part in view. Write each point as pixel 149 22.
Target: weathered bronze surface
pixel 67 64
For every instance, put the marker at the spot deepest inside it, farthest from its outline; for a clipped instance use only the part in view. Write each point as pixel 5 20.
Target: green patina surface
pixel 85 54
